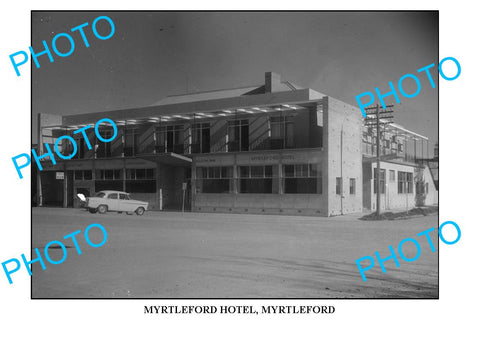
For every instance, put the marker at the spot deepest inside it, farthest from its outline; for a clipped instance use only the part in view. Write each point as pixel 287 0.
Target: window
pixel 83 175
pixel 140 174
pixel 338 186
pixel 216 179
pixel 256 179
pixel 382 181
pixel 402 179
pixel 391 175
pixel 131 142
pixel 87 175
pixel 140 180
pixel 123 196
pixel 78 175
pixel 400 147
pixel 113 196
pixel 169 139
pixel 426 188
pixel 100 194
pixel 302 179
pixel 405 182
pixel 110 174
pixel 80 141
pixel 201 138
pixel 386 143
pixel 352 186
pixel 103 149
pixel 238 135
pixel 410 182
pixel 281 129
pixel 108 179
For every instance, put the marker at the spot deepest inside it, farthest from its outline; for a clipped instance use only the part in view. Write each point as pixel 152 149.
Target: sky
pixel 155 54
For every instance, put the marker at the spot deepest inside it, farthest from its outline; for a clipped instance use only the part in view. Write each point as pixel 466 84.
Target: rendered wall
pixel 391 200
pixel 343 125
pixel 290 204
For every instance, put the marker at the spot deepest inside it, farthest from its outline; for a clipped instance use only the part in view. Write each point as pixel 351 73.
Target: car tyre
pixel 92 210
pixel 102 209
pixel 140 211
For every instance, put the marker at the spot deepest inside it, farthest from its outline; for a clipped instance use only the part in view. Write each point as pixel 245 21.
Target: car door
pixel 112 201
pixel 123 203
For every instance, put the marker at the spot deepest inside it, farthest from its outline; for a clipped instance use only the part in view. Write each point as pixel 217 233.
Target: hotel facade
pixel 275 148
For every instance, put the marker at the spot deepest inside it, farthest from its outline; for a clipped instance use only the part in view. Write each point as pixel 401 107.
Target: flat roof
pixel 253 103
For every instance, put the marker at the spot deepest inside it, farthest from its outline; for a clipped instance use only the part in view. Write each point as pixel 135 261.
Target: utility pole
pixel 376 118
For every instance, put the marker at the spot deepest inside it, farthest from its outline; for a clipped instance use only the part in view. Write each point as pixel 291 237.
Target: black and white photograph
pixel 234 155
pixel 254 170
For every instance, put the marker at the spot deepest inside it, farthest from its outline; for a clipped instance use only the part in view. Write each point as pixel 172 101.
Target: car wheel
pixel 92 210
pixel 140 211
pixel 102 209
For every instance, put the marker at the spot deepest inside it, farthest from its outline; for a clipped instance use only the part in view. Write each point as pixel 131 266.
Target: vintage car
pixel 110 200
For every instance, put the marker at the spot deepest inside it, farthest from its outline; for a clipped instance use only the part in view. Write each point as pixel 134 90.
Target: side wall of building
pixel 343 143
pixel 392 199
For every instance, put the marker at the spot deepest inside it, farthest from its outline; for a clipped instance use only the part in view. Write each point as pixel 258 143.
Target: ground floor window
pixel 382 181
pixel 83 175
pixel 392 175
pixel 256 179
pixel 260 179
pixel 140 174
pixel 108 174
pixel 338 185
pixel 216 179
pixel 405 182
pixel 352 186
pixel 302 179
pixel 136 180
pixel 141 186
pixel 108 185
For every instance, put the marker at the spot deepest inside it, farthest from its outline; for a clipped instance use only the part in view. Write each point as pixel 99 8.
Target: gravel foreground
pixel 200 255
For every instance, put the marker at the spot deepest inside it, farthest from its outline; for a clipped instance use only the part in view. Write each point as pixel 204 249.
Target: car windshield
pixel 100 194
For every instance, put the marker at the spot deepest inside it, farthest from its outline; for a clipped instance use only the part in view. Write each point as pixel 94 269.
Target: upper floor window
pixel 281 129
pixel 238 133
pixel 104 149
pixel 131 142
pixel 201 138
pixel 169 139
pixel 80 141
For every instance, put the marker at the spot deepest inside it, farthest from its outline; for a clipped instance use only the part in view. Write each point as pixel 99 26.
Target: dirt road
pixel 195 255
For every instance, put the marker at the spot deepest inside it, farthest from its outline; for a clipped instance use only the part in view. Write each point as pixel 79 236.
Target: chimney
pixel 272 82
